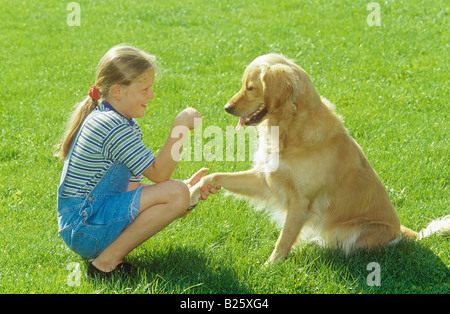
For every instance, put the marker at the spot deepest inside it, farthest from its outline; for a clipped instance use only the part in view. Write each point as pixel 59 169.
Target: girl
pixel 104 211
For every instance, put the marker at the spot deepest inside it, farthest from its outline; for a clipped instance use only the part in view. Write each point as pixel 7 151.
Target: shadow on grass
pixel 175 270
pixel 409 267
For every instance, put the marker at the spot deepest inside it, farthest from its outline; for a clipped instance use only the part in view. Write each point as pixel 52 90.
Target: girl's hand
pixel 199 188
pixel 196 177
pixel 189 117
pixel 204 190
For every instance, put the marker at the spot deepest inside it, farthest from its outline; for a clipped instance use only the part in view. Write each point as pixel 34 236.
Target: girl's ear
pixel 115 91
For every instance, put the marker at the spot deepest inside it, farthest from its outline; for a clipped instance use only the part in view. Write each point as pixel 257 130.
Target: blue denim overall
pixel 89 224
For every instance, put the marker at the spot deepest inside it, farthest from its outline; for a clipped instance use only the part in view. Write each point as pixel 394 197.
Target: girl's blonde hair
pixel 120 65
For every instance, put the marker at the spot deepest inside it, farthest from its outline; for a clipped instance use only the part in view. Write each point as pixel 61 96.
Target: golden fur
pixel 323 182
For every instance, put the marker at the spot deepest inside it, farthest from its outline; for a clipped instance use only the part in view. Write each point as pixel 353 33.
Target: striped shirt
pixel 106 137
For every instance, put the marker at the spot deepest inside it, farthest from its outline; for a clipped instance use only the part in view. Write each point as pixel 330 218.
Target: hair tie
pixel 94 93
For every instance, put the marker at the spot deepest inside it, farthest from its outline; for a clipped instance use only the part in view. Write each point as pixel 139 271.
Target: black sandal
pixel 121 269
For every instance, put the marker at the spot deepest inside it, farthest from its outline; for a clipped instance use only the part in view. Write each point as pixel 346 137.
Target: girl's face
pixel 135 97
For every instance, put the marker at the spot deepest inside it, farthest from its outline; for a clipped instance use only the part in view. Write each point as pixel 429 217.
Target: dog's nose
pixel 229 108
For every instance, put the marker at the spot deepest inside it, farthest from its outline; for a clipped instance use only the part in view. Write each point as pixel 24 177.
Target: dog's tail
pixel 440 226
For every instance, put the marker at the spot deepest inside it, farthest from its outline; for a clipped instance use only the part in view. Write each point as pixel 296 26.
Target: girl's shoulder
pixel 106 119
pixel 106 123
pixel 105 107
pixel 101 120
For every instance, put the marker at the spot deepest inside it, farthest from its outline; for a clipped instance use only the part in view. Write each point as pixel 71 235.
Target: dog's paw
pixel 275 257
pixel 269 263
pixel 195 195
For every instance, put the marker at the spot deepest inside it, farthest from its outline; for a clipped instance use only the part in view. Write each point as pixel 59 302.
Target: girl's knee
pixel 180 195
pixel 180 189
pixel 165 192
pixel 173 193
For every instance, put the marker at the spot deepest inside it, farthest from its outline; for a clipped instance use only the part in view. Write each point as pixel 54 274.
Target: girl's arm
pixel 190 183
pixel 165 163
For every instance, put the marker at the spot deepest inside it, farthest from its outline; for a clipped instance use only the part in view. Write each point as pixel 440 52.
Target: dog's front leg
pixel 295 220
pixel 249 183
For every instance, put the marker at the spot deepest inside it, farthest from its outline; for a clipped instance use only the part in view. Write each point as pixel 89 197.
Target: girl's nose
pixel 151 93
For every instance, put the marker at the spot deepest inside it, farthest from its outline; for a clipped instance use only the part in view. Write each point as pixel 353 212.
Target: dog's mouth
pixel 253 118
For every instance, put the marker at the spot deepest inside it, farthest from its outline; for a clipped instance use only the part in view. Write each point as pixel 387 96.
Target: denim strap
pixel 67 160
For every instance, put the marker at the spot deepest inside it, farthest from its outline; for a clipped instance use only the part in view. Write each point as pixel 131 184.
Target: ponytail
pixel 120 65
pixel 82 110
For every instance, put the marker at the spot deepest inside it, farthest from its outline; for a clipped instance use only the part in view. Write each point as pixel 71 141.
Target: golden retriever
pixel 323 183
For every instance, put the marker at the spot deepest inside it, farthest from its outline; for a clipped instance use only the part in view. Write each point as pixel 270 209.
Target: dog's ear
pixel 278 84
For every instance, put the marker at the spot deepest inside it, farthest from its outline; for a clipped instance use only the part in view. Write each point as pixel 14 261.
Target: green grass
pixel 390 83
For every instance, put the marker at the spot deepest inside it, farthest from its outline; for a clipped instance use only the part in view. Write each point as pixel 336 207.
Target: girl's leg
pixel 159 205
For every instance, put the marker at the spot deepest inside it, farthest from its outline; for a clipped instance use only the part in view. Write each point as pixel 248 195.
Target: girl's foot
pixel 121 269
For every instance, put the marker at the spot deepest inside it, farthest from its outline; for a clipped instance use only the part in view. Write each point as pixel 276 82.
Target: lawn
pixel 389 82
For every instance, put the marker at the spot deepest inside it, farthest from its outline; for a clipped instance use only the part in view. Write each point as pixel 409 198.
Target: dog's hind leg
pixel 295 220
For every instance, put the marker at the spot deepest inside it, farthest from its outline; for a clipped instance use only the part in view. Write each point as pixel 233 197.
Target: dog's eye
pixel 250 88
